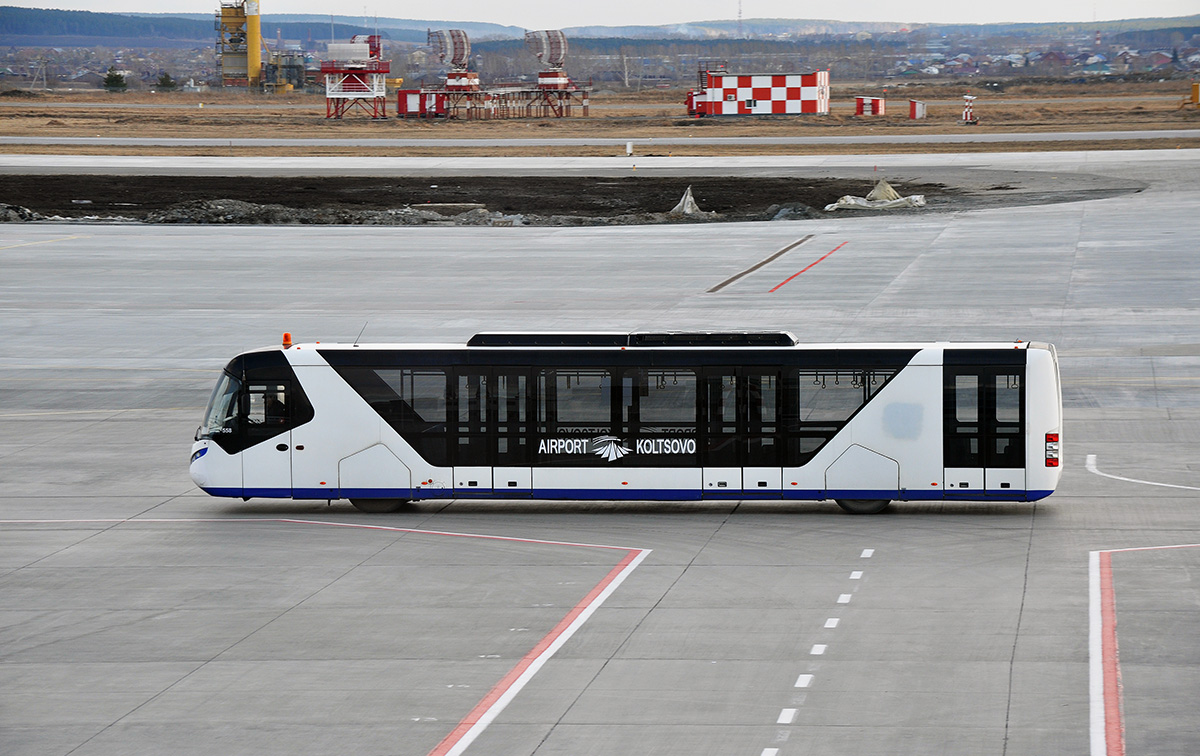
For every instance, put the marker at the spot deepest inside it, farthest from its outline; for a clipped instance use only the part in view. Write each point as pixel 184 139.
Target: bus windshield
pixel 221 416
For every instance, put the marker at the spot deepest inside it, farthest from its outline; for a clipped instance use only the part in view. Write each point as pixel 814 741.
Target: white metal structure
pixel 654 416
pixel 355 85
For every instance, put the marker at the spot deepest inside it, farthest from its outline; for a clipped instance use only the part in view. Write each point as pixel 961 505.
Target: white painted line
pixel 1095 656
pixel 867 554
pixel 844 598
pixel 786 716
pixel 1091 466
pixel 1106 723
pixel 856 575
pixel 803 681
pixel 512 683
pixel 770 752
pixel 818 649
pixel 832 622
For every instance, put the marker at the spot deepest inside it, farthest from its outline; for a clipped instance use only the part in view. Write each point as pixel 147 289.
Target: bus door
pixel 984 424
pixel 762 470
pixel 722 423
pixel 741 423
pixel 266 422
pixel 510 403
pixel 471 437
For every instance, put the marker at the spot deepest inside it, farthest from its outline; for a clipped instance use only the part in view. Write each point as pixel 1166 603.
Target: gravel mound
pixel 18 214
pixel 229 211
pixel 239 212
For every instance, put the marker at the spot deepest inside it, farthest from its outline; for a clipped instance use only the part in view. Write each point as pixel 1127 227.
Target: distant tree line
pixel 39 22
pixel 1157 38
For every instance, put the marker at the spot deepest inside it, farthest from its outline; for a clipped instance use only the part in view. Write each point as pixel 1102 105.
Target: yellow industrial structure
pixel 1194 100
pixel 239 45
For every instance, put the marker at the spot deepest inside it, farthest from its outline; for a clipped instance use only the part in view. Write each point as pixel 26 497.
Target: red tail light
pixel 1051 450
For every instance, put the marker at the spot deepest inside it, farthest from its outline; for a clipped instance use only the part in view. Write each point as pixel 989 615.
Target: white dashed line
pixel 788 716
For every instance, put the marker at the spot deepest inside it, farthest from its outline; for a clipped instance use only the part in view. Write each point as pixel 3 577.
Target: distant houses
pixel 1050 63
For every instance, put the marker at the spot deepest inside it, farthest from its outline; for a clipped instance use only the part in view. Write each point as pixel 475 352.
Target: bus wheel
pixel 863 506
pixel 378 506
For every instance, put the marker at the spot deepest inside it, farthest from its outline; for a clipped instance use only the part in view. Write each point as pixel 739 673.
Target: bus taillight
pixel 1051 450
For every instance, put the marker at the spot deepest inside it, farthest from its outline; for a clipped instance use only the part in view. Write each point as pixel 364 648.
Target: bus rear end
pixel 1043 411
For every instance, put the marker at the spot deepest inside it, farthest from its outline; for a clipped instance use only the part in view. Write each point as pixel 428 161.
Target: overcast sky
pixel 554 14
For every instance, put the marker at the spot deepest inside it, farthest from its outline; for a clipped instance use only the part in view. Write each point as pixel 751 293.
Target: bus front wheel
pixel 863 506
pixel 378 506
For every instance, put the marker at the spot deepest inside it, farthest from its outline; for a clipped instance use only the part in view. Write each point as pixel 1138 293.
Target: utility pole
pixel 40 73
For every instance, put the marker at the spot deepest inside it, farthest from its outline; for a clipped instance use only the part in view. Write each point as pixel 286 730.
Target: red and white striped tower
pixel 553 85
pixel 463 96
pixel 969 118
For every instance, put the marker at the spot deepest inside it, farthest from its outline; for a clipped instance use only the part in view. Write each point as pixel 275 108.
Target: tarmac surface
pixel 138 615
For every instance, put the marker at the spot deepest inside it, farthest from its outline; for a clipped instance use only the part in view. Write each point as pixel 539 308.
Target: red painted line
pixel 506 682
pixel 1111 690
pixel 491 705
pixel 1114 724
pixel 810 265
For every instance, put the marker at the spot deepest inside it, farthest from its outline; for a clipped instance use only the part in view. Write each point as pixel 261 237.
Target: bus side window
pixel 962 418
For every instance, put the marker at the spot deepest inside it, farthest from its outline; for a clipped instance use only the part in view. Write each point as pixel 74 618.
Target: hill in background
pixel 35 27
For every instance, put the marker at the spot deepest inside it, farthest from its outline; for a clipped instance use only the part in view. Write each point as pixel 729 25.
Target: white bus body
pixel 635 416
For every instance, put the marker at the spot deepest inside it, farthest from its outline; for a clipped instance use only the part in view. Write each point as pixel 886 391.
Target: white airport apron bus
pixel 635 416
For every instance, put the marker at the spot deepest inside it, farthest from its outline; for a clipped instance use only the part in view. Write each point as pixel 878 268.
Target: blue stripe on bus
pixel 328 493
pixel 623 494
pixel 607 494
pixel 372 493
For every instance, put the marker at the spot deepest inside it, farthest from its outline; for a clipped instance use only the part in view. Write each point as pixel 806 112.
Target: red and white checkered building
pixel 760 94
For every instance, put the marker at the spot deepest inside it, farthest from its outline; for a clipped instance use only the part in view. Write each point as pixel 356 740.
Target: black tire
pixel 863 506
pixel 378 506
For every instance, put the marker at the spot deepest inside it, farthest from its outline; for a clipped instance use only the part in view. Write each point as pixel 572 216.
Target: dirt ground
pixel 645 116
pixel 148 197
pixel 648 115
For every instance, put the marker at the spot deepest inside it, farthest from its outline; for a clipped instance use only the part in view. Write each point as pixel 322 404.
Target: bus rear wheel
pixel 378 506
pixel 863 506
